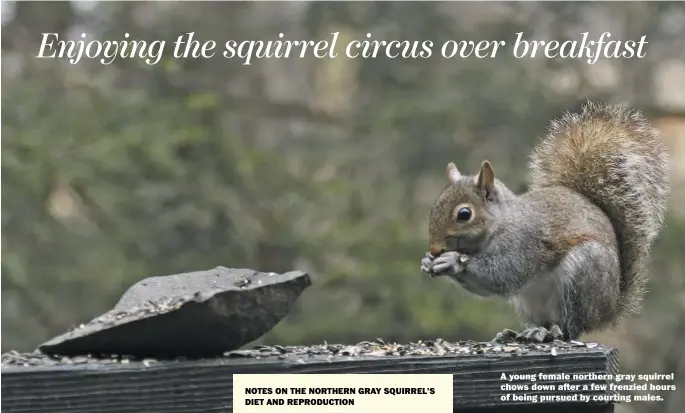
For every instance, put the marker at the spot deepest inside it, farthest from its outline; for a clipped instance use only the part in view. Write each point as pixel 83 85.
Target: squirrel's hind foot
pixel 530 335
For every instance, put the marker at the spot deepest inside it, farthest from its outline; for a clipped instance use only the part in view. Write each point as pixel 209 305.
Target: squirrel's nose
pixel 436 249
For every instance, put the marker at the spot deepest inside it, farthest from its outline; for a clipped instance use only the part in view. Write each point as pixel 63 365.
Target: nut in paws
pixel 449 263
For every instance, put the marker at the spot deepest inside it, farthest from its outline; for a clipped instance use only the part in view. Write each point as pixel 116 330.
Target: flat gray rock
pixel 196 314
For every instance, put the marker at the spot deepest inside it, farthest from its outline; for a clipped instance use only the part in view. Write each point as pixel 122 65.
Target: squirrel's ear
pixel 486 179
pixel 453 174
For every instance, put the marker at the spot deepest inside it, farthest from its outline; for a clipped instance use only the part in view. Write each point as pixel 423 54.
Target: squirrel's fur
pixel 572 251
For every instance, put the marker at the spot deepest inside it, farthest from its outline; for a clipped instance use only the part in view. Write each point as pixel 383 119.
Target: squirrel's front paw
pixel 427 264
pixel 449 263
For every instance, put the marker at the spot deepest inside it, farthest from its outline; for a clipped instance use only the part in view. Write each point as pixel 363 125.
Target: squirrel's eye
pixel 464 214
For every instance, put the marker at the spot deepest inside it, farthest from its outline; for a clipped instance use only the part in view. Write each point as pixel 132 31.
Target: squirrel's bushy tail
pixel 615 158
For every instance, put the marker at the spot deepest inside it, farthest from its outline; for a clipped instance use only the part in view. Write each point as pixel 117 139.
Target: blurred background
pixel 115 173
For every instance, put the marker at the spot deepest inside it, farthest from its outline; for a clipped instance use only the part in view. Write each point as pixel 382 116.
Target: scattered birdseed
pixel 299 354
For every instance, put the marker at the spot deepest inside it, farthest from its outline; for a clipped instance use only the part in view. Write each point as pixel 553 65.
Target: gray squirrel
pixel 571 253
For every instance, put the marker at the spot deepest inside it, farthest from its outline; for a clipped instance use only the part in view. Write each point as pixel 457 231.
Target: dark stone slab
pixel 197 314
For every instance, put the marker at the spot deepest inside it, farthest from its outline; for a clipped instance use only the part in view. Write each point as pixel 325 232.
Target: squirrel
pixel 571 252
